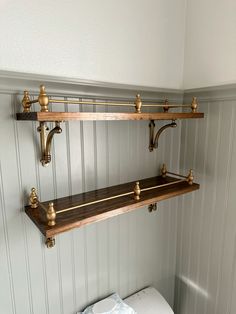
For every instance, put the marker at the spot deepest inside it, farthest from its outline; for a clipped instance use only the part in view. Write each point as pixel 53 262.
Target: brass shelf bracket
pixel 46 141
pixel 153 139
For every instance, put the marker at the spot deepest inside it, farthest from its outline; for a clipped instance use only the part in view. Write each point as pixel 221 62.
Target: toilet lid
pixel 103 306
pixel 149 301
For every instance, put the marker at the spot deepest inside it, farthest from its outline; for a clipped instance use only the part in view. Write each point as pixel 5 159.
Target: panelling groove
pixel 213 205
pixel 20 185
pixel 202 204
pixel 6 236
pixel 69 167
pixel 228 176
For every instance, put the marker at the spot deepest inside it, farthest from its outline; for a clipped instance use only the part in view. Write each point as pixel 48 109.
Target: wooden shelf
pixel 67 116
pixel 82 215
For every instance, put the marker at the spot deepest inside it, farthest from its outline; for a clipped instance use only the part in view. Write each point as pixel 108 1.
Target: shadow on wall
pixel 186 290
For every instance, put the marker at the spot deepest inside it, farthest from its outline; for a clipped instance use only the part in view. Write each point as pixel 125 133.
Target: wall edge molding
pixel 17 82
pixel 212 93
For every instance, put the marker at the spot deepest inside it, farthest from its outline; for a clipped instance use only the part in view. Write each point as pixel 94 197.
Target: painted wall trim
pixel 213 93
pixel 17 82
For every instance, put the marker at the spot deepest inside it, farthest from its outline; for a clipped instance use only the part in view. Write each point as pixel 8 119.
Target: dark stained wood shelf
pixel 88 214
pixel 66 116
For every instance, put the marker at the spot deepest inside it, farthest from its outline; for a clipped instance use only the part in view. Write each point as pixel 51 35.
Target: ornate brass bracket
pixel 46 141
pixel 153 140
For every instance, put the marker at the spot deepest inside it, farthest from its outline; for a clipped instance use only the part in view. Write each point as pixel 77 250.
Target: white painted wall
pixel 210 45
pixel 128 41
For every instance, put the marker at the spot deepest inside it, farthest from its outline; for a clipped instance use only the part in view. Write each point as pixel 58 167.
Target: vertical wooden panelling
pixel 206 234
pixel 122 254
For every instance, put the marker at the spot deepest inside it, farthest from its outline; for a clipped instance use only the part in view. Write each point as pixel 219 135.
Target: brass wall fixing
pixel 152 207
pixel 46 141
pixel 50 242
pixel 153 140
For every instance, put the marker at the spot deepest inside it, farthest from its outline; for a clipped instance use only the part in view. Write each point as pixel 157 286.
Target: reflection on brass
pixel 26 102
pixel 166 106
pixel 138 103
pixel 46 141
pixel 152 207
pixel 194 104
pixel 190 177
pixel 137 191
pixel 51 214
pixel 43 99
pixel 153 142
pixel 163 171
pixel 50 242
pixel 33 199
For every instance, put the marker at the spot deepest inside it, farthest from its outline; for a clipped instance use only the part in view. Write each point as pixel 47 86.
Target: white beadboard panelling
pixel 122 254
pixel 206 257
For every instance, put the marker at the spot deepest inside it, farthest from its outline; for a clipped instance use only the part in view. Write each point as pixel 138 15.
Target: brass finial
pixel 163 171
pixel 51 214
pixel 194 104
pixel 33 199
pixel 166 106
pixel 137 191
pixel 26 102
pixel 138 103
pixel 50 242
pixel 190 177
pixel 43 99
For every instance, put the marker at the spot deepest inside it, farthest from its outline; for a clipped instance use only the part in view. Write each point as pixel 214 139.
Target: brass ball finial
pixel 138 103
pixel 166 105
pixel 137 191
pixel 190 177
pixel 51 214
pixel 163 171
pixel 33 198
pixel 43 99
pixel 194 104
pixel 26 102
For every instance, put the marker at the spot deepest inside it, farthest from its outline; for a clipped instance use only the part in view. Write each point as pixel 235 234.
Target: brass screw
pixel 51 214
pixel 163 171
pixel 138 103
pixel 33 198
pixel 137 191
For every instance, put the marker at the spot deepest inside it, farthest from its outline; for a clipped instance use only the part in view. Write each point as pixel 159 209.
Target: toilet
pixel 148 301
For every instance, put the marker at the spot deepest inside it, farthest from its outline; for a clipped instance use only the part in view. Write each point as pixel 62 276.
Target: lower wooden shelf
pixel 85 208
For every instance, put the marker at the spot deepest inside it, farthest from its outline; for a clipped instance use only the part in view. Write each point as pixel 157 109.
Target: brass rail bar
pixel 115 196
pixel 82 102
pixel 177 175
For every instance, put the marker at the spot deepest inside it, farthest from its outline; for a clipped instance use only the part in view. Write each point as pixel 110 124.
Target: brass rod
pixel 169 106
pixel 176 174
pixel 93 202
pixel 45 208
pixel 82 102
pixel 160 186
pixel 116 196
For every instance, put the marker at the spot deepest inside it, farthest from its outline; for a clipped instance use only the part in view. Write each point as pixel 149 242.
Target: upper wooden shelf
pixel 86 208
pixel 67 116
